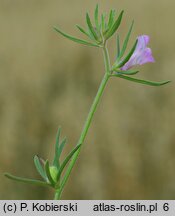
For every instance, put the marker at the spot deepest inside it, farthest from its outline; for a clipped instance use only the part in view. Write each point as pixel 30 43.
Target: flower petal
pixel 143 41
pixel 146 57
pixel 141 55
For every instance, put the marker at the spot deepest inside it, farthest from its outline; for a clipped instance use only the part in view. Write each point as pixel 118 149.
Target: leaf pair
pixel 92 32
pixel 50 173
pixel 41 171
pixel 109 28
pixel 87 43
pixel 99 32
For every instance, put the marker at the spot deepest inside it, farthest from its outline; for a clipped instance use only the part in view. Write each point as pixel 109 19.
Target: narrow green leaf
pixel 91 28
pixel 58 149
pixel 57 139
pixel 128 72
pixel 118 65
pixel 146 82
pixel 115 26
pixel 126 41
pixel 39 167
pixel 103 23
pixel 47 170
pixel 66 160
pixel 82 30
pixel 96 17
pixel 56 158
pixel 118 46
pixel 26 180
pixel 62 144
pixel 77 40
pixel 111 18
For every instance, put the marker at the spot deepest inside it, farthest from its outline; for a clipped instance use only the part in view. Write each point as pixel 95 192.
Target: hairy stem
pixel 87 123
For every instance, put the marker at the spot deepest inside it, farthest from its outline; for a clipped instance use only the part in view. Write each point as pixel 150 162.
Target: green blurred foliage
pixel 47 81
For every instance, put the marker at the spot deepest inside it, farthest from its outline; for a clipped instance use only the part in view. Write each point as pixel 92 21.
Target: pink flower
pixel 141 55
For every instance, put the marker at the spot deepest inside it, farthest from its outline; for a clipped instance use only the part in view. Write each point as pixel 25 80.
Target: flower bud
pixel 53 172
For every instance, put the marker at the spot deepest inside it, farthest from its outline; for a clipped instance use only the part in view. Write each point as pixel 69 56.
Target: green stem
pixel 106 59
pixel 87 123
pixel 57 194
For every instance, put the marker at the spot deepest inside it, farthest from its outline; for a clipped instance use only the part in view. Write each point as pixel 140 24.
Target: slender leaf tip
pixel 77 40
pixel 26 180
pixel 115 26
pixel 145 82
pixel 96 8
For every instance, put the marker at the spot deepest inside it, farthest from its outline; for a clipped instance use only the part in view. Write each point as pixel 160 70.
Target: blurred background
pixel 47 81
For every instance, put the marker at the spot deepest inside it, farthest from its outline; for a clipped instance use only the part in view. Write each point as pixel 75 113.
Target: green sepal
pixel 126 59
pixel 66 160
pixel 128 72
pixel 39 167
pixel 26 180
pixel 47 170
pixel 96 18
pixel 145 82
pixel 115 26
pixel 77 40
pixel 126 41
pixel 82 30
pixel 91 28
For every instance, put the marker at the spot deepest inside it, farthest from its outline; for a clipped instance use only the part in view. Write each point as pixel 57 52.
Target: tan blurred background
pixel 47 81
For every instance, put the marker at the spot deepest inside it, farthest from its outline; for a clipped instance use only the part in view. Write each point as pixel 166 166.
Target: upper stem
pixel 87 122
pixel 106 59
